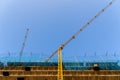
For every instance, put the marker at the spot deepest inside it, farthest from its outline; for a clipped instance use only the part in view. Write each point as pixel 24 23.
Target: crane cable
pixel 80 30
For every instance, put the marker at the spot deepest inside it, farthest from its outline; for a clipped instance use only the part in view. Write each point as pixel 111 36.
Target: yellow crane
pixel 59 50
pixel 60 70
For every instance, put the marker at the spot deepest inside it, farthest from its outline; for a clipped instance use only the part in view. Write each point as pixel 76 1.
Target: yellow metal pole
pixel 60 71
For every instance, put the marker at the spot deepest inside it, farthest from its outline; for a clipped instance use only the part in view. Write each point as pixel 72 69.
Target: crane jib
pixel 81 29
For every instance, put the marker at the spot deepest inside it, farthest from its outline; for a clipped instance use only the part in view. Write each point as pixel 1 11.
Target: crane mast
pixel 60 70
pixel 80 30
pixel 23 45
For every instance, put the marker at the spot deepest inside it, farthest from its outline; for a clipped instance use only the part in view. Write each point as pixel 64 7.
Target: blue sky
pixel 52 22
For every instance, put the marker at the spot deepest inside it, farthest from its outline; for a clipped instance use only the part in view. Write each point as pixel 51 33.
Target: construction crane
pixel 60 70
pixel 80 30
pixel 23 45
pixel 59 50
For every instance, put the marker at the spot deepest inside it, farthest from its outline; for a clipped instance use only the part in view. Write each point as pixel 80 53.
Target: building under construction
pixel 49 71
pixel 60 70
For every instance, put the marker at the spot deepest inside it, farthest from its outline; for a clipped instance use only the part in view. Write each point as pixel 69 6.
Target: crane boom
pixel 80 30
pixel 23 45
